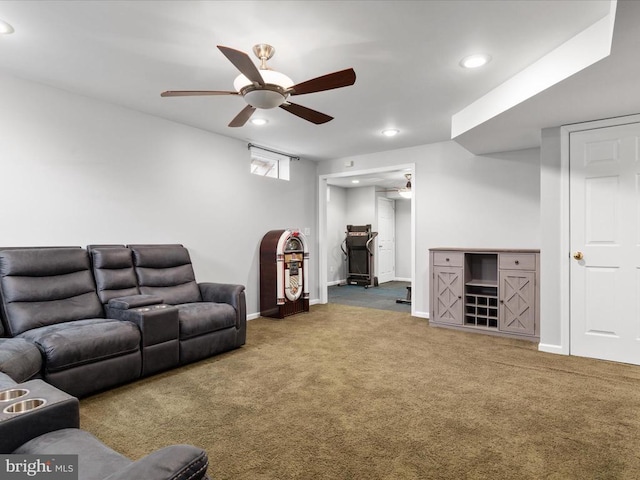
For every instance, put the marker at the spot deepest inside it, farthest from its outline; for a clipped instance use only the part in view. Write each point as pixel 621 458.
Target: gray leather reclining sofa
pixel 76 321
pixel 132 311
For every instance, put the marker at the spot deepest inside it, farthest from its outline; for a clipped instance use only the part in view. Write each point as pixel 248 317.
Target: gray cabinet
pixel 492 291
pixel 449 287
pixel 449 284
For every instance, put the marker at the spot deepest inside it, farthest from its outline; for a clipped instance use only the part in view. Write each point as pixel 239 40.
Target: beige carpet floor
pixel 354 393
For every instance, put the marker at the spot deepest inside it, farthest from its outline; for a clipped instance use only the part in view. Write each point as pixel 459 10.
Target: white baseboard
pixel 344 281
pixel 421 315
pixel 548 348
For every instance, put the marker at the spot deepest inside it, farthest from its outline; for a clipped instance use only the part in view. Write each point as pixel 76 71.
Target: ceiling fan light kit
pixel 273 94
pixel 404 192
pixel 264 88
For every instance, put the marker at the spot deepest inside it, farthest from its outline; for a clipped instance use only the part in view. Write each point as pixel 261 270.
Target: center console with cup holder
pixel 33 408
pixel 159 329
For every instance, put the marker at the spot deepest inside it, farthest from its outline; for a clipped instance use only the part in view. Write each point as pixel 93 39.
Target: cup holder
pixel 25 405
pixel 152 307
pixel 12 394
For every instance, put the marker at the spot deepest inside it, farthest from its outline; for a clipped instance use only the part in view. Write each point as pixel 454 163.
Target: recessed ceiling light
pixel 259 121
pixel 390 132
pixel 5 28
pixel 475 61
pixel 355 181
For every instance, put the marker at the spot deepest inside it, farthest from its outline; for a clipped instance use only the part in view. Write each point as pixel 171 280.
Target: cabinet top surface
pixel 485 250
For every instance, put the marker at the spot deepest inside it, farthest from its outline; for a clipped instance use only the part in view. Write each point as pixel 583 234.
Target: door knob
pixel 578 256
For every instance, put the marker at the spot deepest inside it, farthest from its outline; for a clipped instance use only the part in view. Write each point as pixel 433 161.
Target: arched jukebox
pixel 284 265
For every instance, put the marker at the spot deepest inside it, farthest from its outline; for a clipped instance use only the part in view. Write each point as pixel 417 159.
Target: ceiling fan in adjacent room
pixel 266 88
pixel 404 192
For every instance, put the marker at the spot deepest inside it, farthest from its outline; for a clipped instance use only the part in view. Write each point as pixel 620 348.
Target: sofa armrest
pixel 134 301
pixel 232 295
pixel 176 462
pixel 157 323
pixel 222 293
pixel 6 381
pixel 19 358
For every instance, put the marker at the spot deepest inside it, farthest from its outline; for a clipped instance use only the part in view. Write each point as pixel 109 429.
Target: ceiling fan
pixel 266 88
pixel 404 192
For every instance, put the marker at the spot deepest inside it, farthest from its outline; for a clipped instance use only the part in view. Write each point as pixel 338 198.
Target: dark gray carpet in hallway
pixel 382 297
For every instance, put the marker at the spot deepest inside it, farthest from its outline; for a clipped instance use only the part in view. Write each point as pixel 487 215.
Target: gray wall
pixel 77 171
pixel 336 227
pixel 361 206
pixel 552 283
pixel 403 239
pixel 462 200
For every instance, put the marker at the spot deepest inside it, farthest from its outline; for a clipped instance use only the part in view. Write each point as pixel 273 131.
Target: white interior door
pixel 386 249
pixel 605 239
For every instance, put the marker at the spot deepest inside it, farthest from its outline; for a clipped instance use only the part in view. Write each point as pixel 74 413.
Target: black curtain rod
pixel 272 151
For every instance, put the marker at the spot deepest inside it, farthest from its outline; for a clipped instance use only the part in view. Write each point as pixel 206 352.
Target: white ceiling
pixel 387 181
pixel 405 54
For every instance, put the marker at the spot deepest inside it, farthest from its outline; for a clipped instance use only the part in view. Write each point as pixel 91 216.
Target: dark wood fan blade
pixel 306 113
pixel 243 116
pixel 340 79
pixel 192 93
pixel 243 63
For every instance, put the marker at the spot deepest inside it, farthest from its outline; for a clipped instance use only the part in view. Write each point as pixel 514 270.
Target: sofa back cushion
pixel 45 286
pixel 166 271
pixel 113 272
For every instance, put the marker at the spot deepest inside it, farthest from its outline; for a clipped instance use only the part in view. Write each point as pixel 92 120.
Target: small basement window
pixel 269 164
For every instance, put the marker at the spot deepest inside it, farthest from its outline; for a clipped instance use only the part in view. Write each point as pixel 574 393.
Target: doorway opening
pixel 361 198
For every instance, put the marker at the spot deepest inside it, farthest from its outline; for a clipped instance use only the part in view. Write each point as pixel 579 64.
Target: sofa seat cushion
pixel 71 344
pixel 19 359
pixel 204 317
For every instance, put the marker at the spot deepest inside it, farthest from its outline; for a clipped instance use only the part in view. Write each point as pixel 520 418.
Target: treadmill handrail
pixel 373 235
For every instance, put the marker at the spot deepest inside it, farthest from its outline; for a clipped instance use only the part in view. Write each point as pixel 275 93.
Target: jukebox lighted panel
pixel 284 264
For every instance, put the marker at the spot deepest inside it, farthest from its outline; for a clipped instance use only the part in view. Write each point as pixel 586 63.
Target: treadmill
pixel 358 249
